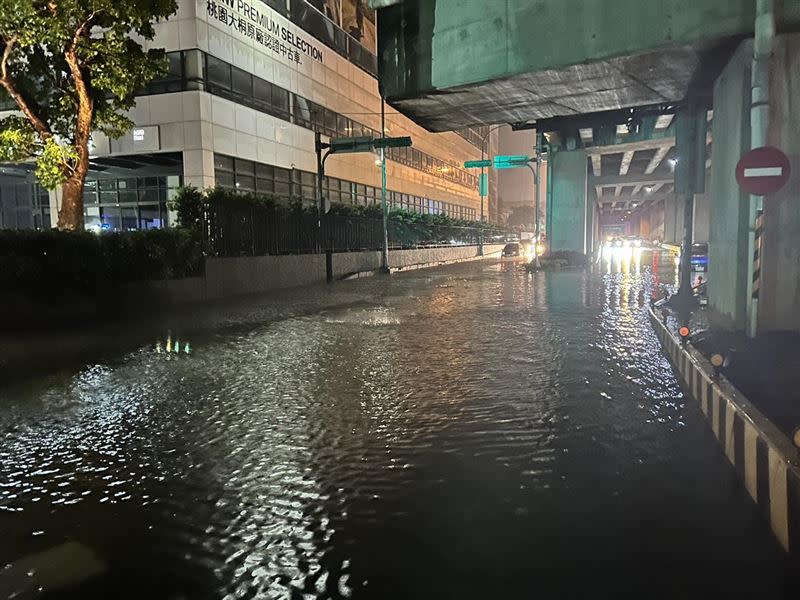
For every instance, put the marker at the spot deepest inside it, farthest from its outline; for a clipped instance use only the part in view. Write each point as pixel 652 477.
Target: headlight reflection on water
pixel 623 259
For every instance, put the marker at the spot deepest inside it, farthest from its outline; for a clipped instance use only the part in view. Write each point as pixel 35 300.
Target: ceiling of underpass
pixel 631 155
pixel 653 78
pixel 450 64
pixel 629 177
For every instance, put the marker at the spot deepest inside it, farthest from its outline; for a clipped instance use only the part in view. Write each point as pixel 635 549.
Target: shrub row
pixel 47 260
pixel 190 204
pixel 38 261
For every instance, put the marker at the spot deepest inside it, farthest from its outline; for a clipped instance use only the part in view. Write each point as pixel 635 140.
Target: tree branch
pixel 24 106
pixel 85 112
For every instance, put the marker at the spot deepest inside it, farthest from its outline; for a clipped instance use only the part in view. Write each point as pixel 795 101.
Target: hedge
pixel 46 260
pixel 190 204
pixel 40 261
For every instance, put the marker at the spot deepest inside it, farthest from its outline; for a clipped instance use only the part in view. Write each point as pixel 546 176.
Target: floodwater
pixel 468 432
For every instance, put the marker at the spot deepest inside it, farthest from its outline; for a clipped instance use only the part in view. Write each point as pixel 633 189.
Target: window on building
pixel 246 176
pixel 124 204
pixel 242 84
pixel 283 186
pixel 280 102
pixel 193 69
pixel 218 74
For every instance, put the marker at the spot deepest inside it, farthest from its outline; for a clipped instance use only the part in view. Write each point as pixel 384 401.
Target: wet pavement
pixel 468 432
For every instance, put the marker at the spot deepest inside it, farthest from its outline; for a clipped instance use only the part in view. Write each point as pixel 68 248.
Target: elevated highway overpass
pixel 621 94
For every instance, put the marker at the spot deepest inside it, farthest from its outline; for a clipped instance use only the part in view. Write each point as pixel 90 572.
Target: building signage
pixel 264 27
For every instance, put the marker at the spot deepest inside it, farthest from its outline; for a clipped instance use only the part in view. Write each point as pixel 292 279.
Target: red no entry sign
pixel 763 171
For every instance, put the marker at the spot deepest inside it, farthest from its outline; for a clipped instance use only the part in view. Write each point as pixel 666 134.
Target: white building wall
pixel 200 124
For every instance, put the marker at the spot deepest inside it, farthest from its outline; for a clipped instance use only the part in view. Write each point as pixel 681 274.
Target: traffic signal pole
pixel 356 145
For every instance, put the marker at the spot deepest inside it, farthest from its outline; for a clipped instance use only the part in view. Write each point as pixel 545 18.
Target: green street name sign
pixel 366 144
pixel 351 144
pixel 510 161
pixel 392 142
pixel 477 164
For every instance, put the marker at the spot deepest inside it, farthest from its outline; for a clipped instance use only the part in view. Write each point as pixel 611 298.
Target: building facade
pixel 250 82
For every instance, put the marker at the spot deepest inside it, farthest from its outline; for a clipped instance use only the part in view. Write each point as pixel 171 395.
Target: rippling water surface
pixel 471 432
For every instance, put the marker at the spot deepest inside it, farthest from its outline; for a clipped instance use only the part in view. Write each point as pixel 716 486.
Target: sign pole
pixel 480 191
pixel 384 205
pixel 537 230
pixel 320 175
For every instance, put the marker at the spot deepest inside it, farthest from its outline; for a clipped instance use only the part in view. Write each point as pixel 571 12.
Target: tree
pixel 71 67
pixel 522 217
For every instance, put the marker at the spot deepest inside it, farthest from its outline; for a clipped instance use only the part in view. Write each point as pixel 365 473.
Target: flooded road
pixel 468 432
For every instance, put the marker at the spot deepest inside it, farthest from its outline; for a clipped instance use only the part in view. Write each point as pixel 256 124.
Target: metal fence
pixel 258 230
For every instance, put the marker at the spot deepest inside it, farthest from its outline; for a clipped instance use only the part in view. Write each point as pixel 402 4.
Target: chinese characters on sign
pixel 265 31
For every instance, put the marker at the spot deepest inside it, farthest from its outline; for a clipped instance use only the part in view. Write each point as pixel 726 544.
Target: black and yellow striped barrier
pixel 757 254
pixel 765 459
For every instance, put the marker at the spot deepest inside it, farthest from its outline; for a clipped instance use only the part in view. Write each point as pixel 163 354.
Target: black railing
pixel 260 230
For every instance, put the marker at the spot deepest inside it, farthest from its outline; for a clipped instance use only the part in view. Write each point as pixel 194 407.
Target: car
pixel 513 249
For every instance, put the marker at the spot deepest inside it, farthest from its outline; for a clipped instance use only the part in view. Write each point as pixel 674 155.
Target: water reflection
pixel 458 432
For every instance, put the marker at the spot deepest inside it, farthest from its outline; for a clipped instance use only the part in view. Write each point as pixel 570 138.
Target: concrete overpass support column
pixel 673 220
pixel 728 230
pixel 571 219
pixel 690 137
pixel 779 294
pixel 643 221
pixel 657 221
pixel 702 214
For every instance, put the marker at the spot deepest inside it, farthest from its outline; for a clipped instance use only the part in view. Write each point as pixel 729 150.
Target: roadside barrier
pixel 764 458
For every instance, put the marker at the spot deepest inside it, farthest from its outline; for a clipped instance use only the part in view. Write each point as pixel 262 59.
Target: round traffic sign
pixel 763 171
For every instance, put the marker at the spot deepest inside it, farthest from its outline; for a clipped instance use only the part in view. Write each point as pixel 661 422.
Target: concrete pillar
pixel 198 168
pixel 779 295
pixel 571 219
pixel 673 219
pixel 690 139
pixel 657 220
pixel 642 224
pixel 702 214
pixel 593 222
pixel 728 259
pixel 55 204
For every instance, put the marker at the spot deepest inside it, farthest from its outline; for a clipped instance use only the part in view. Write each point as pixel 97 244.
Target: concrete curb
pixel 764 458
pixel 442 263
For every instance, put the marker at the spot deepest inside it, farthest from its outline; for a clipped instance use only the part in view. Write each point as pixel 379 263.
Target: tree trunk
pixel 70 216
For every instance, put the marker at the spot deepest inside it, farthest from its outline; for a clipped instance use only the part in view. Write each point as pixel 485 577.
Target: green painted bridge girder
pixel 430 50
pixel 507 37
